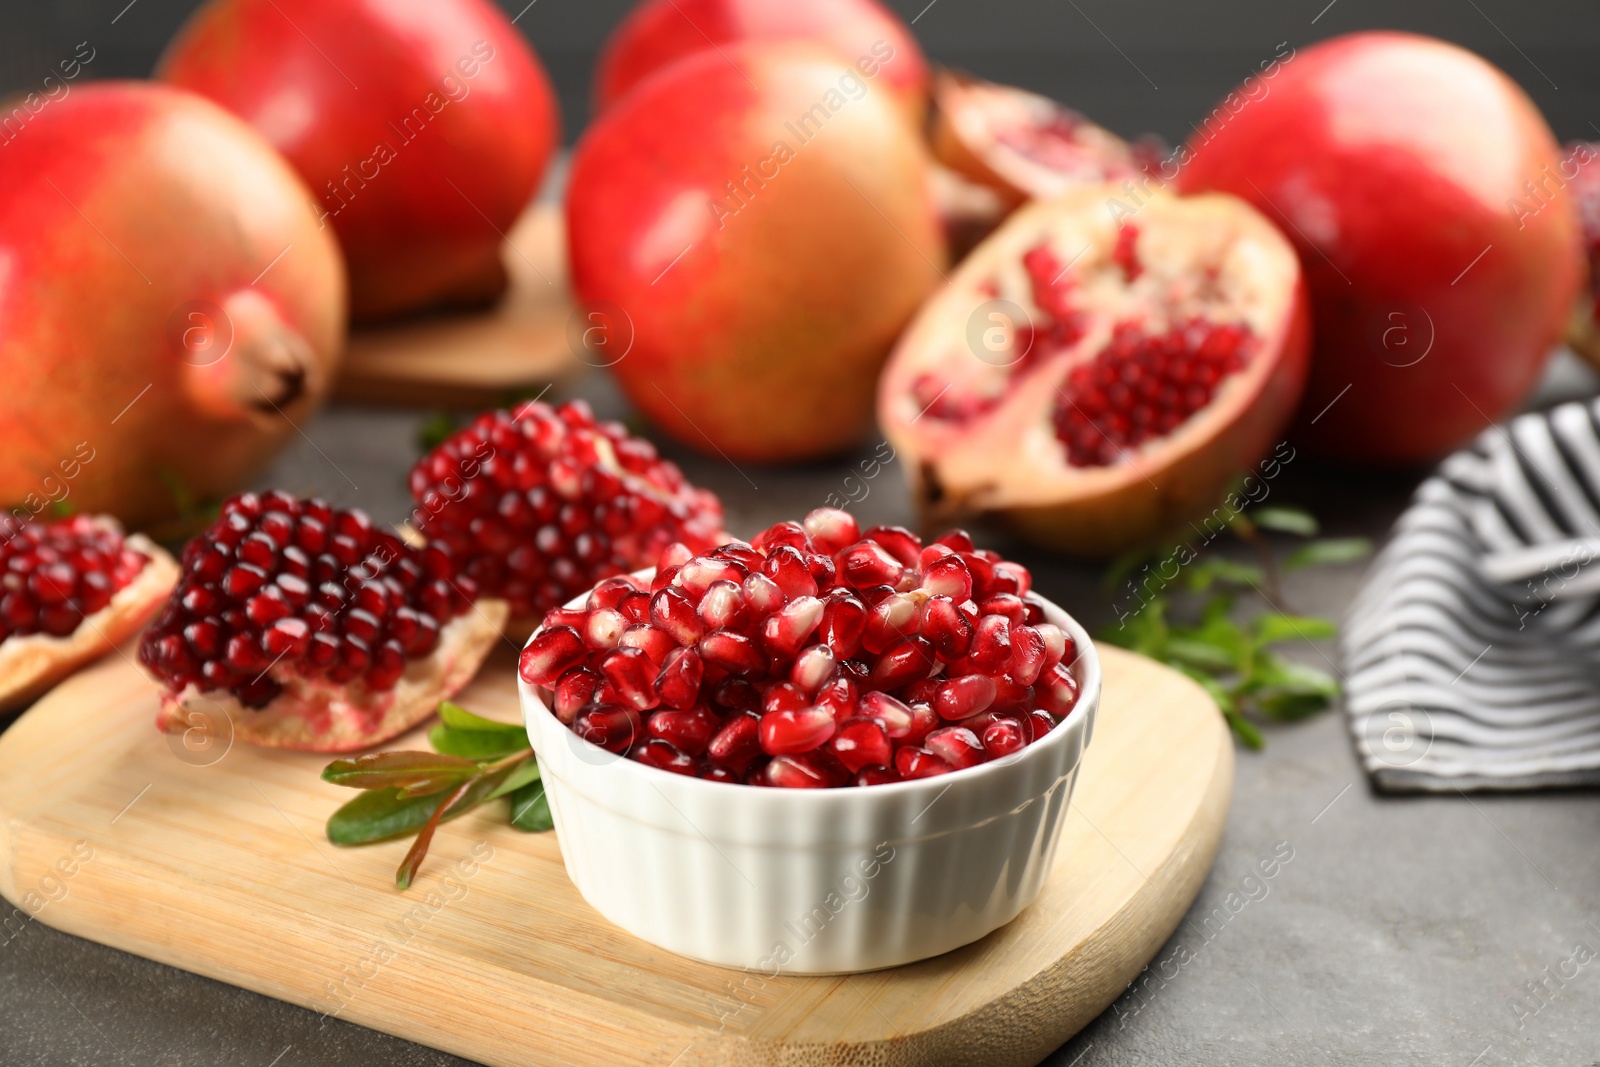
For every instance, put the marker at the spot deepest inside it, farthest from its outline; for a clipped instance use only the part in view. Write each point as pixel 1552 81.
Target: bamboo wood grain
pixel 476 358
pixel 224 870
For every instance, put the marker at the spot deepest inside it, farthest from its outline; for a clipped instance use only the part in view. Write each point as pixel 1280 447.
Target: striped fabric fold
pixel 1453 682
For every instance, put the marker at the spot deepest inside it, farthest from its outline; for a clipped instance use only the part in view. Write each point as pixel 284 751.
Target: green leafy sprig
pixel 1191 622
pixel 475 760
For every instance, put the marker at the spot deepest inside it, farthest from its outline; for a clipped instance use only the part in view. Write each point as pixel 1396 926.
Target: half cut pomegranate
pixel 311 628
pixel 1023 145
pixel 70 592
pixel 1097 374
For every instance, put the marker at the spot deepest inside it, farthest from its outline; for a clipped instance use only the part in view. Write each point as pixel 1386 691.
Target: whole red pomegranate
pixel 1401 167
pixel 422 129
pixel 170 307
pixel 660 32
pixel 755 273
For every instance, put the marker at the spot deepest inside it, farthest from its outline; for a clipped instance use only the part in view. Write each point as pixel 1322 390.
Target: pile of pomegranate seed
pixel 54 575
pixel 539 505
pixel 814 656
pixel 282 586
pixel 1144 385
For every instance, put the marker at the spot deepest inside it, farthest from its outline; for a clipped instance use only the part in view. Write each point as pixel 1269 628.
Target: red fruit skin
pixel 331 83
pixel 1393 161
pixel 738 349
pixel 120 206
pixel 658 33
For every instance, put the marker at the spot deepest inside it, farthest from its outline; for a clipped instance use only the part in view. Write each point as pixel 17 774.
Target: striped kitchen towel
pixel 1454 681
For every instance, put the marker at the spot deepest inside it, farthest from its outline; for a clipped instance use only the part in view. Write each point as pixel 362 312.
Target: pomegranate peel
pixel 32 660
pixel 1022 145
pixel 1096 380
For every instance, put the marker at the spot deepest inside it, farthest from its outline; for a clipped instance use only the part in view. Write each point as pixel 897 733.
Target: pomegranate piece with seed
pixel 316 630
pixel 70 591
pixel 816 656
pixel 1123 367
pixel 538 504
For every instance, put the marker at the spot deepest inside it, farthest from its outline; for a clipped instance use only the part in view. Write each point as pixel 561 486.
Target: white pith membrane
pixel 318 715
pixel 984 127
pixel 31 664
pixel 1210 256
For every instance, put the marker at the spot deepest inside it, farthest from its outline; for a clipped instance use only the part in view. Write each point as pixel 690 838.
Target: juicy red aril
pixel 1144 385
pixel 54 575
pixel 795 731
pixel 814 656
pixel 550 655
pixel 860 743
pixel 254 609
pixel 539 503
pixel 1125 252
pixel 611 727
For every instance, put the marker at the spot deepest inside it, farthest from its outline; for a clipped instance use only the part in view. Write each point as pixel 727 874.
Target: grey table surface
pixel 1447 930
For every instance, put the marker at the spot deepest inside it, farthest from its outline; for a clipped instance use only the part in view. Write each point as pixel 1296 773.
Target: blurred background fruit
pixel 1093 381
pixel 658 33
pixel 759 220
pixel 170 305
pixel 423 129
pixel 1405 169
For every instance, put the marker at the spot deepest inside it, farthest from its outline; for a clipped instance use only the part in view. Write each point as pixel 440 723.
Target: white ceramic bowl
pixel 801 881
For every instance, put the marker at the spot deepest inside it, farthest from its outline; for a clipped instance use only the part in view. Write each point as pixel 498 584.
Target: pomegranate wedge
pixel 1101 368
pixel 69 592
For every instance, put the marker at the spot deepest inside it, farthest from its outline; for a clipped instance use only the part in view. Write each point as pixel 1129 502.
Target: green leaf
pixel 1201 575
pixel 1288 690
pixel 1214 689
pixel 381 814
pixel 1328 550
pixel 1187 652
pixel 409 866
pixel 481 745
pixel 530 809
pixel 1296 521
pixel 1144 631
pixel 1124 565
pixel 434 429
pixel 1245 730
pixel 459 718
pixel 414 773
pixel 1273 627
pixel 516 777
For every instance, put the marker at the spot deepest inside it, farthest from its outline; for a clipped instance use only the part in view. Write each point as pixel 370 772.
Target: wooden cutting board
pixel 214 860
pixel 475 359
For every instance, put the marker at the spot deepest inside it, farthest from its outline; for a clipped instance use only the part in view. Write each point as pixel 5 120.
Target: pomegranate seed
pixel 889 619
pixel 839 698
pixel 717 773
pixel 902 544
pixel 956 745
pixel 53 575
pixel 632 676
pixel 991 645
pixel 697 576
pixel 867 563
pixel 575 690
pixel 550 655
pixel 1041 722
pixel 1057 691
pixel 788 570
pixel 1028 651
pixel 795 731
pixel 844 620
pixel 948 576
pixel 737 743
pixel 673 611
pixel 604 628
pixel 678 683
pixel 732 651
pixel 1003 737
pixel 878 776
pixel 1007 604
pixel 813 667
pixel 831 529
pixel 1055 642
pixel 762 595
pixel 785 696
pixel 664 756
pixel 862 742
pixel 913 762
pixel 653 642
pixel 797 772
pixel 612 592
pixel 906 661
pixel 946 627
pixel 722 607
pixel 783 533
pixel 792 625
pixel 964 697
pixel 612 728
